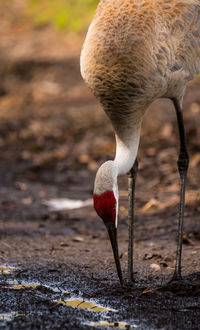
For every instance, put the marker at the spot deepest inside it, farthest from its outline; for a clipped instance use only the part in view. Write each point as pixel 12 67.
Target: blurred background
pixel 54 134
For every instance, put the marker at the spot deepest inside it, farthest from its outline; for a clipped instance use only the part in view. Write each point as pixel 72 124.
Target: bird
pixel 135 52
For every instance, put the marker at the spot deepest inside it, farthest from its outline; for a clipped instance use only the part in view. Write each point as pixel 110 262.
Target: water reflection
pixel 121 325
pixel 15 285
pixel 7 270
pixel 9 316
pixel 83 304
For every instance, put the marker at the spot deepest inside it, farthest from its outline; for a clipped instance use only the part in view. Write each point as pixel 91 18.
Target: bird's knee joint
pixel 134 169
pixel 183 162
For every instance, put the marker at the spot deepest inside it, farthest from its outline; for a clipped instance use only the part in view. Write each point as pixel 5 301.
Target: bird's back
pixel 137 48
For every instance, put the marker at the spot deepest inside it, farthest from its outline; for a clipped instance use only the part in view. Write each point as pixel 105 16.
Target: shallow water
pixel 7 317
pixel 101 314
pixel 84 304
pixel 35 296
pixel 120 325
pixel 6 270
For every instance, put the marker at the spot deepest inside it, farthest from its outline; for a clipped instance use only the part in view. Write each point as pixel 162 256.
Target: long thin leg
pixel 183 162
pixel 131 194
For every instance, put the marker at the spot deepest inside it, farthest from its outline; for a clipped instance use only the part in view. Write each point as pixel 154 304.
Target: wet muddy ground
pixel 56 265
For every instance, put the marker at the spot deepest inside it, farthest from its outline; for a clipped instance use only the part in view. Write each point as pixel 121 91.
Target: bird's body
pixel 135 52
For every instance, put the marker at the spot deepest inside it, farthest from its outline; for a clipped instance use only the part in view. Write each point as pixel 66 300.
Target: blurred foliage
pixel 63 14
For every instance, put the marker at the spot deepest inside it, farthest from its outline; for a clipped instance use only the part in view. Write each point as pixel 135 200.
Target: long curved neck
pixel 126 149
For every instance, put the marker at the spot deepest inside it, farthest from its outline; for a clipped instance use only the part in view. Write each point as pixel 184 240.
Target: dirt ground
pixel 56 266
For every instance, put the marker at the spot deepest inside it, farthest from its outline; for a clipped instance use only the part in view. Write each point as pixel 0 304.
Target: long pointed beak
pixel 112 232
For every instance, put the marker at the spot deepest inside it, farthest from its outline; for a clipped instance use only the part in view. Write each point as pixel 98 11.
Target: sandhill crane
pixel 135 52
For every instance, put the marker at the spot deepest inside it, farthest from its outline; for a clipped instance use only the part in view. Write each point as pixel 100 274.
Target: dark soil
pixel 53 137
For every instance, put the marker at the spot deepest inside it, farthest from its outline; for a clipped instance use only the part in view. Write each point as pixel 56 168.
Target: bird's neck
pixel 126 149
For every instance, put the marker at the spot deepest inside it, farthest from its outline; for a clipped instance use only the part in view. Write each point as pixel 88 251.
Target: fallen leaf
pixel 187 241
pixel 27 201
pixel 8 205
pixel 148 290
pixel 163 264
pixel 78 239
pixel 156 267
pixel 195 159
pixel 21 186
pixel 63 244
pixel 151 256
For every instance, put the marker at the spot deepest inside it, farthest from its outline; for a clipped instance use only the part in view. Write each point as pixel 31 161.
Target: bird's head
pixel 106 193
pixel 106 205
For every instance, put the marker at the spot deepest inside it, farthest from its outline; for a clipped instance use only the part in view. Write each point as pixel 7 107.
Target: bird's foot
pixel 176 277
pixel 131 281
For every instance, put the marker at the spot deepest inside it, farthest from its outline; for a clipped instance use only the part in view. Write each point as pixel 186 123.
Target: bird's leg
pixel 131 194
pixel 183 162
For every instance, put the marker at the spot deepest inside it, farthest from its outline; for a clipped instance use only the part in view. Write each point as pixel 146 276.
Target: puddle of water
pixel 7 270
pixel 83 304
pixel 59 204
pixel 55 289
pixel 121 325
pixel 74 302
pixel 15 285
pixel 9 316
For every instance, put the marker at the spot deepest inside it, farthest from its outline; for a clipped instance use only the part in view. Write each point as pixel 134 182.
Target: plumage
pixel 139 50
pixel 135 52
